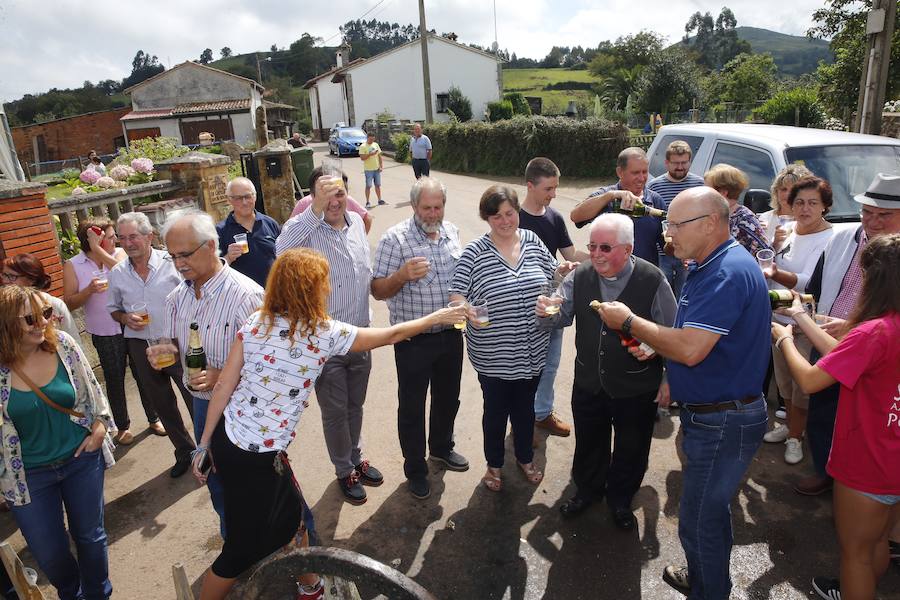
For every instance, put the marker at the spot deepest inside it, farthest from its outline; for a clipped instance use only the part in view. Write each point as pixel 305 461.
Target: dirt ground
pixel 465 542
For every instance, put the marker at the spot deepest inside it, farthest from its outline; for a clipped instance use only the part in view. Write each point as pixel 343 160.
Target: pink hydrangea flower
pixel 142 165
pixel 89 176
pixel 105 182
pixel 78 191
pixel 121 172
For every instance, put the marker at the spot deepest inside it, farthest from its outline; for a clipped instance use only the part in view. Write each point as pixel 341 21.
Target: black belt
pixel 720 406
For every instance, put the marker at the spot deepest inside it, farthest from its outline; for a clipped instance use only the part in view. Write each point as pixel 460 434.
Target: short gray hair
pixel 138 219
pixel 629 153
pixel 426 184
pixel 202 224
pixel 623 225
pixel 243 180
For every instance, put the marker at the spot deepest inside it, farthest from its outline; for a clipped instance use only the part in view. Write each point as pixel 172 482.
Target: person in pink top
pixel 85 285
pixel 865 451
pixel 352 205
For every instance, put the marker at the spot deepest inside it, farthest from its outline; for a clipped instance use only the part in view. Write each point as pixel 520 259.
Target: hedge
pixel 579 148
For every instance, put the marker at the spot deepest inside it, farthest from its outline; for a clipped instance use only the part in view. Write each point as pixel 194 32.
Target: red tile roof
pixel 156 113
pixel 219 106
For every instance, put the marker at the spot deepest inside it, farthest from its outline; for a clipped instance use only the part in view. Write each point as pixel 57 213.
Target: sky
pixel 62 43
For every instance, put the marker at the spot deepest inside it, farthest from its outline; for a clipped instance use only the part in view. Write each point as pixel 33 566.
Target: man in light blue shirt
pixel 420 149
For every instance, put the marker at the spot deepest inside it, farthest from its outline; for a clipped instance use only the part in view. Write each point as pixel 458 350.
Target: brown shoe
pixel 124 437
pixel 552 424
pixel 813 486
pixel 157 428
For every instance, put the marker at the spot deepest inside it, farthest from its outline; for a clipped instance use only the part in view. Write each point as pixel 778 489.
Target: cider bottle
pixel 195 357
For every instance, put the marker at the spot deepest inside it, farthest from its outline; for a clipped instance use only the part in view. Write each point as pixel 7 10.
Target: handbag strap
pixel 43 396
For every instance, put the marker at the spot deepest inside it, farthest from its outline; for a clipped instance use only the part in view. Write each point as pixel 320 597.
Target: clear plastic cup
pixel 456 304
pixel 102 277
pixel 765 258
pixel 550 289
pixel 161 360
pixel 332 168
pixel 140 309
pixel 241 240
pixel 480 309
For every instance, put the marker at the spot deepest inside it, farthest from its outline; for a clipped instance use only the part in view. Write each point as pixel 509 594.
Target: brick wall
pixel 72 136
pixel 26 226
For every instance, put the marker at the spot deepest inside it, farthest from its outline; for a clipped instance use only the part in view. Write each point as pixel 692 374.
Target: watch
pixel 626 325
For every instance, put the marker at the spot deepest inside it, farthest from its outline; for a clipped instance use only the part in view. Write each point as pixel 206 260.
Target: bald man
pixel 717 355
pixel 253 259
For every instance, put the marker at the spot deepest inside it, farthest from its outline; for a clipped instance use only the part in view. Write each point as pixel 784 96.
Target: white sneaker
pixel 781 413
pixel 777 435
pixel 793 451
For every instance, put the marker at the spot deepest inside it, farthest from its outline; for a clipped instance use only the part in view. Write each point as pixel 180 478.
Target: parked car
pixel 849 161
pixel 345 141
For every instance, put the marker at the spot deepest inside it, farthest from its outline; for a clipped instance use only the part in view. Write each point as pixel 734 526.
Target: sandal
pixel 532 474
pixel 491 480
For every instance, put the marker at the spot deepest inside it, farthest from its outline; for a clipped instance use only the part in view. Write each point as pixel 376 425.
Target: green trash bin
pixel 302 162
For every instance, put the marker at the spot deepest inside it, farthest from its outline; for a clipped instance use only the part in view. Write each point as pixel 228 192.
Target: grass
pixel 530 82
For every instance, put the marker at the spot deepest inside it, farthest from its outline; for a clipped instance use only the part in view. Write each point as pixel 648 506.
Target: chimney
pixel 342 57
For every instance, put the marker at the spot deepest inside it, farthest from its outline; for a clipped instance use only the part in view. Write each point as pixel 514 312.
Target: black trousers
pixel 113 354
pixel 157 386
pixel 433 359
pixel 595 473
pixel 820 425
pixel 421 166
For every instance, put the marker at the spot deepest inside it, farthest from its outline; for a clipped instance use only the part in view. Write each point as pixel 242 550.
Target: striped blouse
pixel 226 302
pixel 511 347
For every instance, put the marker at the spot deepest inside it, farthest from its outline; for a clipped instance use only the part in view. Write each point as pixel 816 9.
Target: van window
pixel 657 161
pixel 757 165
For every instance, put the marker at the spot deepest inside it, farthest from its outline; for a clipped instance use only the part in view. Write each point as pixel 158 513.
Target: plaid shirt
pixel 851 286
pixel 418 298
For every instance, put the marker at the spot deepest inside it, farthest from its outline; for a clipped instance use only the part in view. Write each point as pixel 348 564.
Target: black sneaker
pixel 419 488
pixel 369 475
pixel 352 489
pixel 453 461
pixel 180 468
pixel 678 578
pixel 895 552
pixel 381 203
pixel 830 589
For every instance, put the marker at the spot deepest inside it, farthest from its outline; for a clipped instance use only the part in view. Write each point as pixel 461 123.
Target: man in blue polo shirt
pixel 632 170
pixel 255 258
pixel 420 149
pixel 717 356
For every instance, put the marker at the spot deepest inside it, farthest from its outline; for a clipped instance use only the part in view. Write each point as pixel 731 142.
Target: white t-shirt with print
pixel 276 380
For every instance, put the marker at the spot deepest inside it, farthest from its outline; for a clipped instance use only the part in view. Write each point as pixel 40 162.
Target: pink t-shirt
pixel 352 205
pixel 865 453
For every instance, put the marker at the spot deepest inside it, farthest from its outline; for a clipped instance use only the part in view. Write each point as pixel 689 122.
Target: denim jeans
pixel 508 401
pixel 76 484
pixel 820 426
pixel 718 448
pixel 674 271
pixel 543 398
pixel 213 482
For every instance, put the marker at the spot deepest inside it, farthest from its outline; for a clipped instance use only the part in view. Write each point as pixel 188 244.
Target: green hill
pixel 793 54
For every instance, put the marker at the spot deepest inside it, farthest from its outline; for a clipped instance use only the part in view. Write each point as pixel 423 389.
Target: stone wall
pixel 203 176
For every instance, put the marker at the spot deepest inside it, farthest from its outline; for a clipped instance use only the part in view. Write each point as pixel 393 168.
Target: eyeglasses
pixel 9 277
pixel 604 248
pixel 673 225
pixel 244 197
pixel 865 213
pixel 47 313
pixel 184 255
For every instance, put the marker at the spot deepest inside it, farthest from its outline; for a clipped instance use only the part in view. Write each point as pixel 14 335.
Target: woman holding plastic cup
pixel 810 199
pixel 85 284
pixel 779 221
pixel 500 275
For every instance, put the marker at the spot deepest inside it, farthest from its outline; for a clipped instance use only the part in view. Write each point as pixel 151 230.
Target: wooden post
pixel 16 571
pixel 426 71
pixel 182 585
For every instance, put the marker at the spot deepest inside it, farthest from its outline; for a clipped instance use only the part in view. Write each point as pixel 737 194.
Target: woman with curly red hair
pixel 262 390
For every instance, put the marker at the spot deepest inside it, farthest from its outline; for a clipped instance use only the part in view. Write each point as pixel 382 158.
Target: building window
pixel 443 100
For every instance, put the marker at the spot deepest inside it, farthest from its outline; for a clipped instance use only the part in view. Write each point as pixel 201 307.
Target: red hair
pixel 297 290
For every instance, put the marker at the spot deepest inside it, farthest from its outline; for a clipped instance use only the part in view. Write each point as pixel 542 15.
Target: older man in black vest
pixel 611 387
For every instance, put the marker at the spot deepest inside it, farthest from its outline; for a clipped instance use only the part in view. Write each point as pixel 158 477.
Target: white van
pixel 849 161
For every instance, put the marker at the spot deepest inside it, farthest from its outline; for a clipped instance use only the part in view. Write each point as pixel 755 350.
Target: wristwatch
pixel 626 325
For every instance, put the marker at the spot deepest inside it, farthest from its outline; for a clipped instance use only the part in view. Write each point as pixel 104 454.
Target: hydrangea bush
pixel 89 176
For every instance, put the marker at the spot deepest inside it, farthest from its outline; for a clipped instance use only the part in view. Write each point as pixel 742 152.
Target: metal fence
pixel 50 169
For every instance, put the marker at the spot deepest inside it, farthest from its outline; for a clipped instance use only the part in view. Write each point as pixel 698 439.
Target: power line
pixel 377 4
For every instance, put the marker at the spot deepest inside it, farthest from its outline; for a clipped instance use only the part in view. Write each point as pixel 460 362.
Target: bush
pixel 458 104
pixel 780 108
pixel 499 111
pixel 401 147
pixel 580 148
pixel 304 125
pixel 156 149
pixel 520 105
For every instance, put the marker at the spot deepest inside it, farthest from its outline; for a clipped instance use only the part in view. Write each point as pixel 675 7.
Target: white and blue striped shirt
pixel 668 189
pixel 511 347
pixel 226 302
pixel 349 262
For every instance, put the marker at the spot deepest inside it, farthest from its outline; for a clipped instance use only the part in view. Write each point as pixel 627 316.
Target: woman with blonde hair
pixel 53 451
pixel 778 222
pixel 256 405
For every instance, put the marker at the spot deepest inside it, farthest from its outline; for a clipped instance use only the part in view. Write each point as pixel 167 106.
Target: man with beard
pixel 413 265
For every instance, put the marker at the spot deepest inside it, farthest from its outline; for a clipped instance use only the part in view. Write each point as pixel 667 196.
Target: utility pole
pixel 258 69
pixel 426 72
pixel 873 82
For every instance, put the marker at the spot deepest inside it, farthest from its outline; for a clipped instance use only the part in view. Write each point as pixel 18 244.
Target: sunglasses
pixel 604 248
pixel 47 314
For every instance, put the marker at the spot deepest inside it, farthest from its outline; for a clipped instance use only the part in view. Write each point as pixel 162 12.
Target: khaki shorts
pixel 787 387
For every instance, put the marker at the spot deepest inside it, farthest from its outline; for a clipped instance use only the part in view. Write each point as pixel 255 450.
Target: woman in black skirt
pixel 256 404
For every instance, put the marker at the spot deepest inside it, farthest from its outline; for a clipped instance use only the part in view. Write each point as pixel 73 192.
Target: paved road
pixel 465 542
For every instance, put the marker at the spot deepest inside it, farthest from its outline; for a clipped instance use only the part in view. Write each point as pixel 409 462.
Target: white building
pixel 191 98
pixel 392 81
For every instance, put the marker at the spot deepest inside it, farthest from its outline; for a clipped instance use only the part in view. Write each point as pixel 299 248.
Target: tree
pixel 619 85
pixel 715 42
pixel 226 52
pixel 704 43
pixel 459 104
pixel 844 21
pixel 206 57
pixel 748 78
pixel 143 66
pixel 727 43
pixel 626 53
pixel 273 49
pixel 668 83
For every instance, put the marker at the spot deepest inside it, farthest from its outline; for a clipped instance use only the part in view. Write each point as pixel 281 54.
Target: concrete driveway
pixel 464 542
